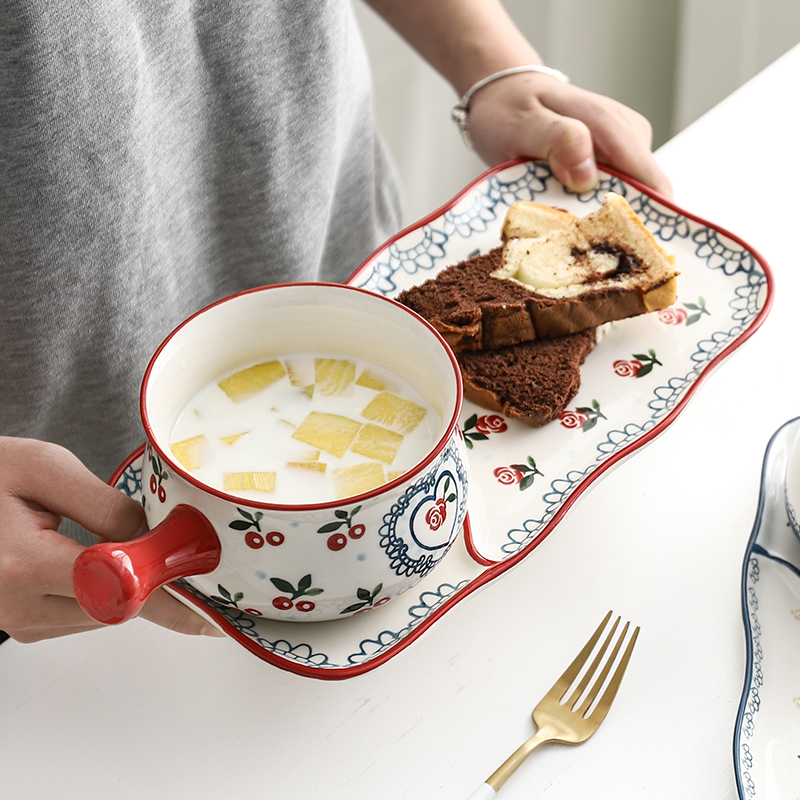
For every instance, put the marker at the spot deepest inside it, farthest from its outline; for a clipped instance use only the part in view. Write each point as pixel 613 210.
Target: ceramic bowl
pixel 313 561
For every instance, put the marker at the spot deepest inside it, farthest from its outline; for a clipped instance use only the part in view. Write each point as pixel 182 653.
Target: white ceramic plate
pixel 523 480
pixel 767 736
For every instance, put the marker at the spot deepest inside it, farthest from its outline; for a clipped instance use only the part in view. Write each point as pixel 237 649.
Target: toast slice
pixel 554 275
pixel 598 268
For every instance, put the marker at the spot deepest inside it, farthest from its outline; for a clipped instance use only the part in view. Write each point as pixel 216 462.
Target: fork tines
pixel 566 681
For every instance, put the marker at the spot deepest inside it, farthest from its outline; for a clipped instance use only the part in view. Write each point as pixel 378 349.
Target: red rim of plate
pixel 493 568
pixel 444 439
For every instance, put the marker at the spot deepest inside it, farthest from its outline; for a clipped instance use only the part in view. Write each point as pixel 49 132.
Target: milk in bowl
pixel 307 427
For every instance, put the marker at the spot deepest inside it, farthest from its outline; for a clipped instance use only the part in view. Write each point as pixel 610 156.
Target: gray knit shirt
pixel 155 156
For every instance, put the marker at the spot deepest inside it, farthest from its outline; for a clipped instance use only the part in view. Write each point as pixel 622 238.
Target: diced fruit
pixel 248 381
pixel 229 440
pixel 315 466
pixel 333 376
pixel 188 451
pixel 359 478
pixel 370 380
pixel 399 414
pixel 376 442
pixel 308 391
pixel 249 481
pixel 301 372
pixel 332 433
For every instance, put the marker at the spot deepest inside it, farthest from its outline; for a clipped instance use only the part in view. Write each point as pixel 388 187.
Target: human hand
pixel 39 484
pixel 538 116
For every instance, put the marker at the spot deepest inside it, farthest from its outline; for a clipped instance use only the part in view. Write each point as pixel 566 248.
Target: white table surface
pixel 138 712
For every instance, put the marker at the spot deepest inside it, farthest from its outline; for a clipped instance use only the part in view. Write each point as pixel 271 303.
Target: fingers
pixel 537 116
pixel 165 610
pixel 56 480
pixel 621 137
pixel 566 144
pixel 31 635
pixel 40 483
pixel 47 618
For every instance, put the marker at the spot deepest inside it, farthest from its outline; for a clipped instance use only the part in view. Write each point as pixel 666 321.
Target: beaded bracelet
pixel 460 112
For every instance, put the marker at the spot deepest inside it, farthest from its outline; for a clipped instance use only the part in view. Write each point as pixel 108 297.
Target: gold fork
pixel 569 723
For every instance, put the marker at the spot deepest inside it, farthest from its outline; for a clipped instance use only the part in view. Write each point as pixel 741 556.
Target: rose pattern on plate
pixel 338 541
pixel 584 417
pixel 638 366
pixel 679 316
pixel 484 426
pixel 304 589
pixel 522 475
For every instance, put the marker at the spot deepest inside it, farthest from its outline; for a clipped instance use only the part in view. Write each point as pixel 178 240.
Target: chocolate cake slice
pixel 532 382
pixel 471 309
pixel 591 270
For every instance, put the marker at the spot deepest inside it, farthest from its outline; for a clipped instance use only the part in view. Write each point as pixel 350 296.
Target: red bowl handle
pixel 112 580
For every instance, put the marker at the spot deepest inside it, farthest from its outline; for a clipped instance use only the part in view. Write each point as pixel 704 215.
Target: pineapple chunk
pixel 244 481
pixel 329 432
pixel 376 442
pixel 370 380
pixel 229 440
pixel 188 451
pixel 248 381
pixel 300 372
pixel 316 466
pixel 308 391
pixel 359 478
pixel 334 376
pixel 399 414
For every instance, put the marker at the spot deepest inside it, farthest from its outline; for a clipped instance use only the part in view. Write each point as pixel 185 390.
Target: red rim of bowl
pixel 444 439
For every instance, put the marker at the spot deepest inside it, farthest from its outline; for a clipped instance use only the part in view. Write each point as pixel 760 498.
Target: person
pixel 156 157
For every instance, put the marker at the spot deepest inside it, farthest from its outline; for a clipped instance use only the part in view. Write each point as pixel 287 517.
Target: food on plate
pixel 567 274
pixel 531 381
pixel 308 428
pixel 522 317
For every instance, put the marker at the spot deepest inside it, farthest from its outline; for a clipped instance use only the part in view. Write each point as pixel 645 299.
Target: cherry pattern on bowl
pixel 159 475
pixel 342 528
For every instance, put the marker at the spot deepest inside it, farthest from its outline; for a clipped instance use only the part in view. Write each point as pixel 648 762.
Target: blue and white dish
pixel 524 480
pixel 767 736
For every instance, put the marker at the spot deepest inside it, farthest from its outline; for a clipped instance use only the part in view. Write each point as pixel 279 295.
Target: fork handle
pixel 493 783
pixel 483 792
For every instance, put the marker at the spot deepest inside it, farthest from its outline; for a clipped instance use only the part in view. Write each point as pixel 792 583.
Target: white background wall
pixel 671 60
